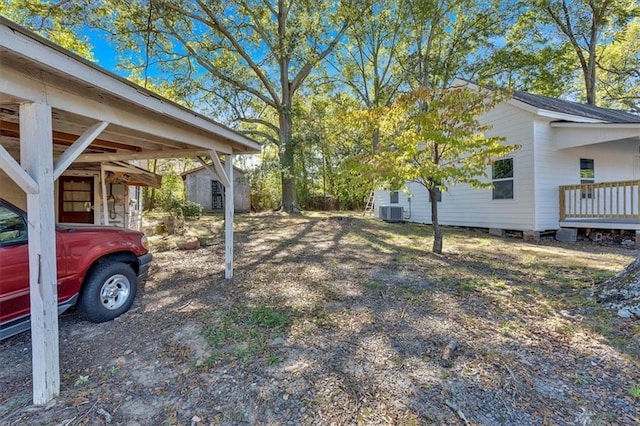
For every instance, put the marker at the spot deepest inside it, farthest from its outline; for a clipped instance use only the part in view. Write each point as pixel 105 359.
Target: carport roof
pixel 142 124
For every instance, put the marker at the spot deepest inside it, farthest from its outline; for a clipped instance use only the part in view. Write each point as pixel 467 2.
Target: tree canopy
pixel 313 80
pixel 434 137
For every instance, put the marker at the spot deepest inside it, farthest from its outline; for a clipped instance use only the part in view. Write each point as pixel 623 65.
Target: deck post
pixel 36 157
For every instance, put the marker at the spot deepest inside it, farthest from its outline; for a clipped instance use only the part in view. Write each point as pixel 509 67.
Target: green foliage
pixel 619 70
pixel 264 181
pixel 434 138
pixel 55 21
pixel 268 317
pixel 182 208
pixel 245 333
pixel 556 47
pixel 451 38
pixel 81 380
pixel 247 69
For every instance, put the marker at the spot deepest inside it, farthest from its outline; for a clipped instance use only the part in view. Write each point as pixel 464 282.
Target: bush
pixel 183 208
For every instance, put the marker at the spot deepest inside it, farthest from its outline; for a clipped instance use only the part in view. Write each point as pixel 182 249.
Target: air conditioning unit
pixel 392 213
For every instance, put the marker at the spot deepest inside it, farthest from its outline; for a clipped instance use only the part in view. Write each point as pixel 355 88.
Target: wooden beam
pixel 36 155
pixel 195 131
pixel 217 165
pixel 207 166
pixel 67 139
pixel 17 173
pixel 144 155
pixel 228 218
pixel 64 161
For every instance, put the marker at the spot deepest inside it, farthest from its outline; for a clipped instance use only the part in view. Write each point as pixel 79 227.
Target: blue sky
pixel 105 53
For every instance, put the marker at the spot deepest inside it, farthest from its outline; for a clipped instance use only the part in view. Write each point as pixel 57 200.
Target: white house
pixel 578 167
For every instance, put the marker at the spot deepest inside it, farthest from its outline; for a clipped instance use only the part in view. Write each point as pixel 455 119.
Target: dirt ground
pixel 346 320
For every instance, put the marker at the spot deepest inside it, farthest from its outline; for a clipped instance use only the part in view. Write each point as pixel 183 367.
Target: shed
pixel 47 92
pixel 205 188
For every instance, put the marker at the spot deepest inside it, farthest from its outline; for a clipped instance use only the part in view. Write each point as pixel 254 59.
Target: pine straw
pixel 339 319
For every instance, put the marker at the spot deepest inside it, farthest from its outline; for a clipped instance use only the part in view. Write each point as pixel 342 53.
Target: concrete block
pixel 531 235
pixel 497 232
pixel 567 235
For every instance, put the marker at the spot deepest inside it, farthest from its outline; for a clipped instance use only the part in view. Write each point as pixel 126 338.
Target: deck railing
pixel 613 200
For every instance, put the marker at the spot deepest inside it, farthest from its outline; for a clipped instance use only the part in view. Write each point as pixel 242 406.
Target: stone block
pixel 567 235
pixel 498 232
pixel 531 235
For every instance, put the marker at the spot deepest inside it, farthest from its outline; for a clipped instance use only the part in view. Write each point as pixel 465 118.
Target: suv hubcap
pixel 115 292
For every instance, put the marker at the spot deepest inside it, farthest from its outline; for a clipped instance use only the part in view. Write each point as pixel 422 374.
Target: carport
pixel 57 109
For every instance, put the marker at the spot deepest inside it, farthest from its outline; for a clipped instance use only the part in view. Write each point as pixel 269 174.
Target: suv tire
pixel 108 291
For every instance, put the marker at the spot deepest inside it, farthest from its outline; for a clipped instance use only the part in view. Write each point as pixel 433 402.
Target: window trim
pixel 510 179
pixel 394 195
pixel 587 180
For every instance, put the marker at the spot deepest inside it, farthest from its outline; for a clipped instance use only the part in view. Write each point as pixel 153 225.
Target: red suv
pixel 98 270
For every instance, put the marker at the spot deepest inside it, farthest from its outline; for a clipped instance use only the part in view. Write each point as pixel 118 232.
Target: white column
pixel 228 218
pixel 36 157
pixel 105 204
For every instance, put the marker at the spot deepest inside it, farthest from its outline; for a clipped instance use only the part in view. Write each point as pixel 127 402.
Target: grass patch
pixel 245 333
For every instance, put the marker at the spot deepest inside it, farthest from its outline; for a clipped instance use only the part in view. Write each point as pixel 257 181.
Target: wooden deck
pixel 604 205
pixel 603 223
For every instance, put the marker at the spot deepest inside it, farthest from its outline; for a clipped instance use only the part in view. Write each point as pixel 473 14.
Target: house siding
pixel 463 205
pixel 613 161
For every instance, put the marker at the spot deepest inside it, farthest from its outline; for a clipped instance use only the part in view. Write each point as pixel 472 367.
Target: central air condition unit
pixel 392 213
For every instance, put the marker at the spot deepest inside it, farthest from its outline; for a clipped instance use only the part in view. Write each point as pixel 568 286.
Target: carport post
pixel 36 157
pixel 228 218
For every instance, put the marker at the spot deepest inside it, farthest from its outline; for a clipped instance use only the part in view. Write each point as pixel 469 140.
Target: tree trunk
pixel 289 196
pixel 437 233
pixel 622 292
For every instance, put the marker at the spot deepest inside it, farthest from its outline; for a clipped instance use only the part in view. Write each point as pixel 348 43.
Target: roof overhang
pixel 142 125
pixel 572 135
pixel 551 115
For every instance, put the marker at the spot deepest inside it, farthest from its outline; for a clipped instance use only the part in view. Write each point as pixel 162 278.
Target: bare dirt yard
pixel 340 319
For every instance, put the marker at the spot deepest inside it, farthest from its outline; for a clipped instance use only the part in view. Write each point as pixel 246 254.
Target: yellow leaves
pixel 435 136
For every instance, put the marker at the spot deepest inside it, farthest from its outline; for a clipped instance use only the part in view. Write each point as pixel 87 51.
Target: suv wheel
pixel 108 291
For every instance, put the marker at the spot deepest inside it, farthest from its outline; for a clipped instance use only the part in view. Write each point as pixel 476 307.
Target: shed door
pixel 217 195
pixel 75 199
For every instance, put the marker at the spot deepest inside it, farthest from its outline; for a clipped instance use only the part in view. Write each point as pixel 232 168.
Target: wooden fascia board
pixel 81 70
pixel 22 86
pixel 144 155
pixel 551 115
pixel 608 126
